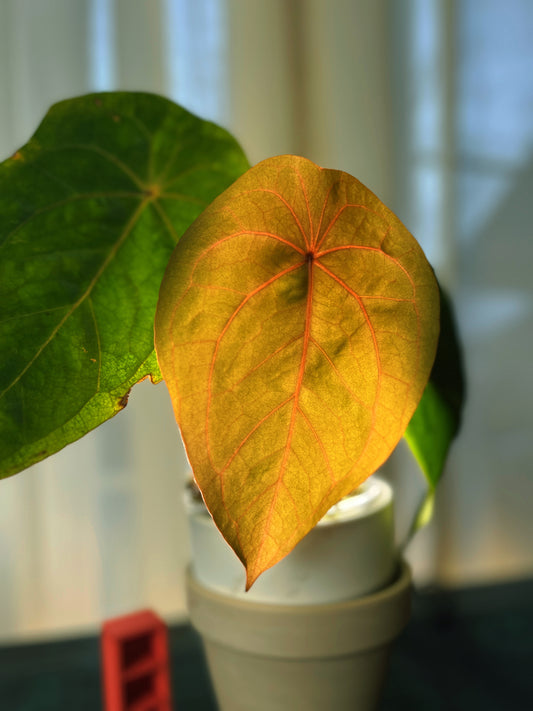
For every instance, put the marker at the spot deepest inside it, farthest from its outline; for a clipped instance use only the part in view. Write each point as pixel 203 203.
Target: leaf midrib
pixel 316 254
pixel 110 256
pixel 358 298
pixel 147 195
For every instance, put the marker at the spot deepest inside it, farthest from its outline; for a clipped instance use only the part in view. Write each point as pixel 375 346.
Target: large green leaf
pixel 296 330
pixel 437 418
pixel 90 210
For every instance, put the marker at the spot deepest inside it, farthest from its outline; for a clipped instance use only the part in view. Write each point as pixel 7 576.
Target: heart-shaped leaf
pixel 296 329
pixel 90 210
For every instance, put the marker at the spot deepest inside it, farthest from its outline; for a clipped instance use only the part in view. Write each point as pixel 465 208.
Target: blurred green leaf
pixel 438 416
pixel 90 210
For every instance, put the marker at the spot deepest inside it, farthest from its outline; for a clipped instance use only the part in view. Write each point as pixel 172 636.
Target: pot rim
pixel 308 630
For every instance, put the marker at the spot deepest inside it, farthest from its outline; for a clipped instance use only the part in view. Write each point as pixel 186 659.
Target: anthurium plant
pixel 299 328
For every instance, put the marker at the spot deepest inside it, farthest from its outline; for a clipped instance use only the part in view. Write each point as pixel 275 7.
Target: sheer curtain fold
pixel 464 94
pixel 96 529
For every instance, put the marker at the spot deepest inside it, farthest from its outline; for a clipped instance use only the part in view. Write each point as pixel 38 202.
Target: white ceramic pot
pixel 314 631
pixel 348 554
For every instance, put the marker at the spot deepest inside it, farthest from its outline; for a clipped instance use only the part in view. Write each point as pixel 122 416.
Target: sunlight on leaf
pixel 296 329
pixel 90 210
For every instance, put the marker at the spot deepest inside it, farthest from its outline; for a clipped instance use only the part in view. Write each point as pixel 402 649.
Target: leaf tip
pixel 250 579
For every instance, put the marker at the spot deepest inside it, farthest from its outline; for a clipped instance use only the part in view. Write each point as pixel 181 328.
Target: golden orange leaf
pixel 296 329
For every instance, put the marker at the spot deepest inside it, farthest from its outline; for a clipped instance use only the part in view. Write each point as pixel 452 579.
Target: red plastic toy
pixel 135 665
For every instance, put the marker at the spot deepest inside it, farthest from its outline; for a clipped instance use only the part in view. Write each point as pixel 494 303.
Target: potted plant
pixel 296 327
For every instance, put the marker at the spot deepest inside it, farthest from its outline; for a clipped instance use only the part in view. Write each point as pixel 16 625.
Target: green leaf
pixel 437 418
pixel 296 330
pixel 90 210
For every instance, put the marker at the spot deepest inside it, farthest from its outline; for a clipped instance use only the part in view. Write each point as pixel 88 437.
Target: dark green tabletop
pixel 462 651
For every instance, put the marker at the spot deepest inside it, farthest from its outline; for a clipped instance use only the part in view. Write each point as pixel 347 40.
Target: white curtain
pixel 429 102
pixel 97 530
pixel 463 82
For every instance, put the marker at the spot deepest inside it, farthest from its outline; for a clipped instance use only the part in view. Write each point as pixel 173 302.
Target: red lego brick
pixel 135 664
